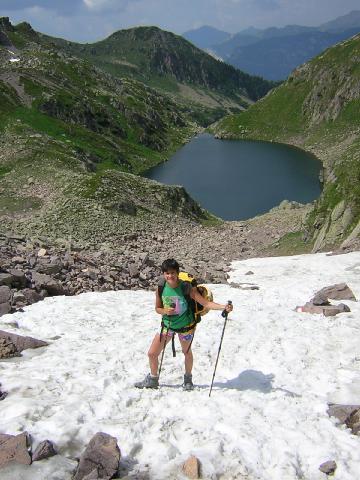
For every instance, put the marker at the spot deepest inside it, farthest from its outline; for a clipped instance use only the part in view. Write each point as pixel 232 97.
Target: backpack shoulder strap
pixel 160 287
pixel 186 288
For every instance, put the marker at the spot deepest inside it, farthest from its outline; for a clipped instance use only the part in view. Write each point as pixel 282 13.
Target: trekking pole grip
pixel 224 313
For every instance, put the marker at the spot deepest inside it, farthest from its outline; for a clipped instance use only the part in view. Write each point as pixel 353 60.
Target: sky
pixel 91 20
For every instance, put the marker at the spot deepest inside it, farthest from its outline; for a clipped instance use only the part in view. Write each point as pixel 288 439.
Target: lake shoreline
pixel 286 173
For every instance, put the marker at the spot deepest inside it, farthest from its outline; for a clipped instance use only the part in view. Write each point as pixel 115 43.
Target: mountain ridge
pixel 143 52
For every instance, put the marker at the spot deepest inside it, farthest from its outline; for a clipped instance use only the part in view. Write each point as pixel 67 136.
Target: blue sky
pixel 90 20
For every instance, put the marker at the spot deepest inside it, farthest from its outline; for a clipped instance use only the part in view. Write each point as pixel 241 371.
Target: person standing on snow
pixel 177 317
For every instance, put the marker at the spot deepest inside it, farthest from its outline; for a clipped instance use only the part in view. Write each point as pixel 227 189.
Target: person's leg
pixel 155 349
pixel 185 343
pixel 152 380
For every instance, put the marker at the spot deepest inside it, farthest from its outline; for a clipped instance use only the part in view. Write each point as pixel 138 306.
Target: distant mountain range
pixel 274 52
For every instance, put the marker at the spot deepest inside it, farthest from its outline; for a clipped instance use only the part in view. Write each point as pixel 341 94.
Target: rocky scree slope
pixel 71 139
pixel 317 109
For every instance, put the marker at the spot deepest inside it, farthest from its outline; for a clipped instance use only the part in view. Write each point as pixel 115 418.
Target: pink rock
pixel 191 467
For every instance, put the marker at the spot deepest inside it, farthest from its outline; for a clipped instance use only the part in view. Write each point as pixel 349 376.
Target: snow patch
pixel 267 416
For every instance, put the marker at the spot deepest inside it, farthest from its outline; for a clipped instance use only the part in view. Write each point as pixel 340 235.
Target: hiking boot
pixel 148 382
pixel 188 384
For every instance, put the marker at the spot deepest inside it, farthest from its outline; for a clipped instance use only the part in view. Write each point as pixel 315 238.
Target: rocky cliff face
pixel 318 109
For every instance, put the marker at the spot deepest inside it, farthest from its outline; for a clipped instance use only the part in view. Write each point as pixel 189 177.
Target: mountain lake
pixel 239 179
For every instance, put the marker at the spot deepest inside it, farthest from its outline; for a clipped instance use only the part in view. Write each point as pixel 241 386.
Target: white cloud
pixel 105 5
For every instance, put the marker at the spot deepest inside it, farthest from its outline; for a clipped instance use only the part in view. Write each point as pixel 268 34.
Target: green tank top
pixel 174 297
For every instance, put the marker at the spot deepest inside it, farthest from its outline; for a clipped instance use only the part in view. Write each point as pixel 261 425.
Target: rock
pixel 5 294
pixel 320 300
pixel 18 259
pixel 22 343
pixel 8 349
pixel 3 395
pixel 14 448
pixel 341 412
pixel 326 310
pixel 50 268
pixel 42 252
pixel 31 296
pixel 45 449
pixel 94 476
pixel 340 291
pixel 353 421
pixel 6 279
pixel 134 271
pixel 353 236
pixel 52 286
pixel 328 467
pixel 102 455
pixel 19 297
pixel 5 300
pixel 18 278
pixel 249 273
pixel 191 467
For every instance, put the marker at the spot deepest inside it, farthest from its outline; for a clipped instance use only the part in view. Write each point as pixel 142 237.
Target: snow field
pixel 266 418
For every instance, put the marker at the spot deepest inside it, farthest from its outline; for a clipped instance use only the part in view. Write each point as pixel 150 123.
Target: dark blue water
pixel 238 179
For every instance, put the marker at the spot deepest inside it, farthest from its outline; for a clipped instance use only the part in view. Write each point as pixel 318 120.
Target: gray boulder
pixel 6 279
pixel 31 296
pixel 18 278
pixel 320 299
pixel 22 343
pixel 353 421
pixel 50 268
pixel 341 412
pixel 47 283
pixel 45 449
pixel 327 310
pixel 101 457
pixel 5 300
pixel 328 467
pixel 14 448
pixel 340 291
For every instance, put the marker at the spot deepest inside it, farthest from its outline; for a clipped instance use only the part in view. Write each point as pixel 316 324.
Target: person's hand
pixel 169 311
pixel 229 307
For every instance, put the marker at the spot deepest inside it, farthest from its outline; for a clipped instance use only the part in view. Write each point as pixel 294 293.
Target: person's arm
pixel 195 295
pixel 159 306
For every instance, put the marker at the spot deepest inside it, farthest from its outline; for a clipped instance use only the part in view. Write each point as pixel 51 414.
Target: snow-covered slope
pixel 266 418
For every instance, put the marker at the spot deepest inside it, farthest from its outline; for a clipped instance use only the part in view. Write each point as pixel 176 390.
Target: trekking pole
pixel 224 314
pixel 163 351
pixel 162 355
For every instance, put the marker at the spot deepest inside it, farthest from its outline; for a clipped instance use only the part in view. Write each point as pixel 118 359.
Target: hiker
pixel 177 317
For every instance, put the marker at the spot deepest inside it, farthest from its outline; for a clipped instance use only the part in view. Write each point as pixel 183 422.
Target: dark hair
pixel 170 264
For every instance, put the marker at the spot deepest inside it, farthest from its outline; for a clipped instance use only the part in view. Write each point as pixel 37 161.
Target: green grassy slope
pixel 318 109
pixel 67 129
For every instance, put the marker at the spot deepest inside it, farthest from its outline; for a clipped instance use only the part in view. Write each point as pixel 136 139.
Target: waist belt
pixel 185 329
